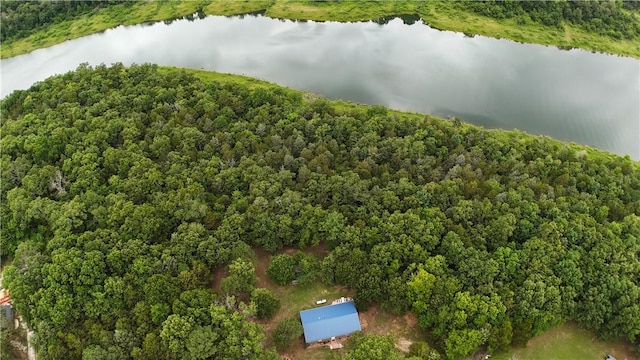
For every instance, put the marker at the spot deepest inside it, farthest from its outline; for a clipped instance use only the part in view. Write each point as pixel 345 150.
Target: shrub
pixel 422 350
pixel 282 269
pixel 286 332
pixel 266 303
pixel 242 278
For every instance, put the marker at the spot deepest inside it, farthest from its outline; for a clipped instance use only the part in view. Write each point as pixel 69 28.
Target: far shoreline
pixel 438 15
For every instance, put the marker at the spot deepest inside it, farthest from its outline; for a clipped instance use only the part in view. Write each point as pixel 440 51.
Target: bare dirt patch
pixel 404 328
pixel 218 275
pixel 403 344
pixel 263 258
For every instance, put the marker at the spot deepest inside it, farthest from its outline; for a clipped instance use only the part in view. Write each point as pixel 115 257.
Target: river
pixel 578 96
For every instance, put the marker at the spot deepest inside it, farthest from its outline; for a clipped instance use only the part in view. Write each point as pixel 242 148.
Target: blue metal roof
pixel 328 321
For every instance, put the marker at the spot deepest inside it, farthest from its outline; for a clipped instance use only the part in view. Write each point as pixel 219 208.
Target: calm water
pixel 572 95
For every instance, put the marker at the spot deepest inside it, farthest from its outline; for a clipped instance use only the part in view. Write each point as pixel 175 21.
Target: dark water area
pixel 569 94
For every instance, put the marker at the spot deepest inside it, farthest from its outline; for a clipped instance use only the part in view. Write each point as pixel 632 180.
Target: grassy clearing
pixel 293 299
pixel 227 8
pixel 341 11
pixel 568 342
pixel 403 328
pixel 211 76
pixel 439 14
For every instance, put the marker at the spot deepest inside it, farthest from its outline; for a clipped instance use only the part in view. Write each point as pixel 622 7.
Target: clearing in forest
pixel 567 342
pixel 294 298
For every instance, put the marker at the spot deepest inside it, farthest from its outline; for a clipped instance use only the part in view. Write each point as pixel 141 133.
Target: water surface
pixel 575 95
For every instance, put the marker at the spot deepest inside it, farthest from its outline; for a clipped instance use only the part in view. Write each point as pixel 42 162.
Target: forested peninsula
pixel 601 25
pixel 126 189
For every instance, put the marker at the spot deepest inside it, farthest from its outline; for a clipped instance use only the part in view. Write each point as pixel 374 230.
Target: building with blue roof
pixel 329 321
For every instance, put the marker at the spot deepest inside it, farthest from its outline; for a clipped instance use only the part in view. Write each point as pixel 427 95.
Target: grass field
pixel 568 342
pixel 439 14
pixel 211 76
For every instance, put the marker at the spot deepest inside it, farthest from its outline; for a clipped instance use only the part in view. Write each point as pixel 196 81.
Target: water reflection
pixel 569 94
pixel 407 19
pixel 201 15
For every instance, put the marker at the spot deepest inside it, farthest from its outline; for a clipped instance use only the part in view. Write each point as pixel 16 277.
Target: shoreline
pixel 439 15
pixel 512 134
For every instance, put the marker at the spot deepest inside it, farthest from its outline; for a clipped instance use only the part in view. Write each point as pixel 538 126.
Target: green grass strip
pixel 439 14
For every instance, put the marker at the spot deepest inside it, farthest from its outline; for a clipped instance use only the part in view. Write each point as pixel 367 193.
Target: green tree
pixel 286 332
pixel 282 269
pixel 176 330
pixel 422 350
pixel 201 343
pixel 152 348
pixel 266 303
pixel 241 339
pixel 461 343
pixel 307 268
pixel 371 347
pixel 242 278
pixel 6 333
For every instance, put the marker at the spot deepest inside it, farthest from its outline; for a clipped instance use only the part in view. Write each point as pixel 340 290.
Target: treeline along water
pixel 575 95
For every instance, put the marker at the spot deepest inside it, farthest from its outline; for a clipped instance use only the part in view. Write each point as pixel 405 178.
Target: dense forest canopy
pixel 23 18
pixel 605 17
pixel 124 189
